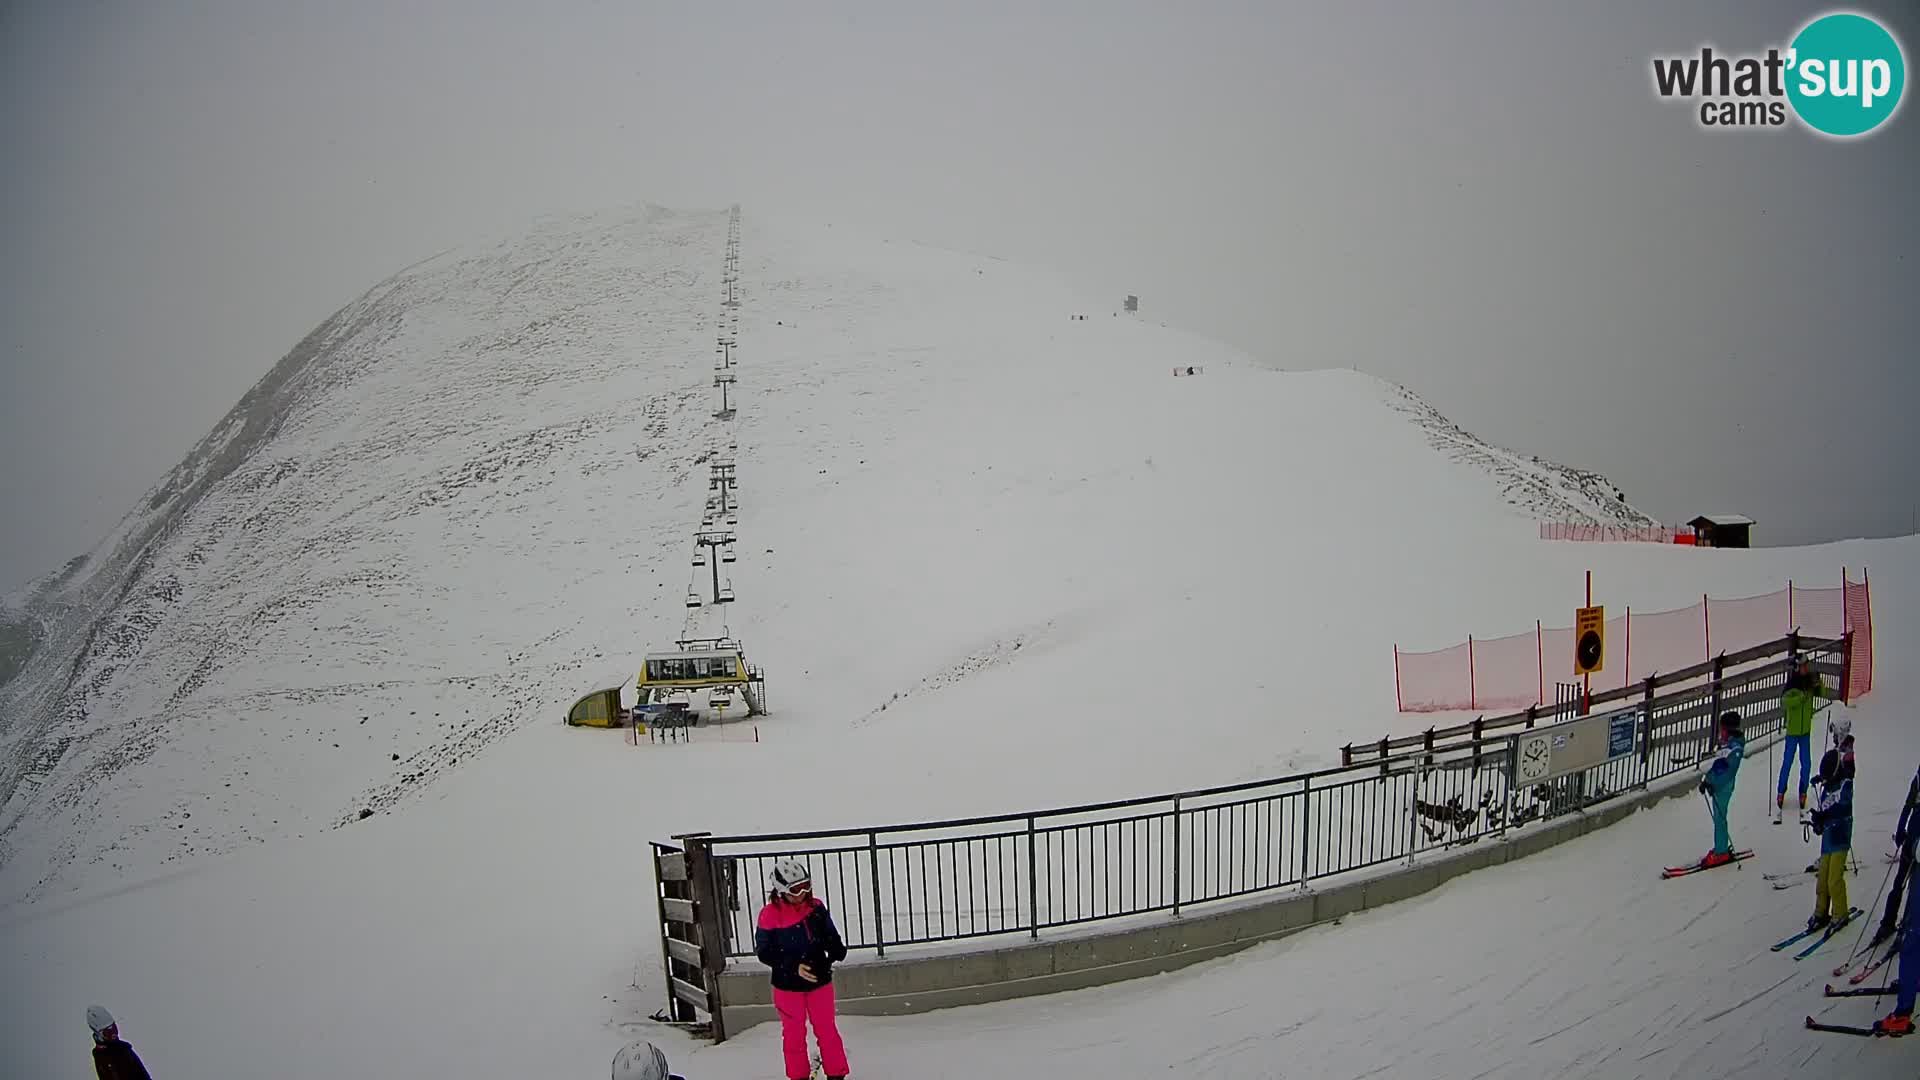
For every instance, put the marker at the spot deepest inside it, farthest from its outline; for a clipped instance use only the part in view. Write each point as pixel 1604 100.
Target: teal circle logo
pixel 1846 74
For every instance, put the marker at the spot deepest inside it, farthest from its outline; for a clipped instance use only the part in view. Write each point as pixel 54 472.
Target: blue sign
pixel 1620 734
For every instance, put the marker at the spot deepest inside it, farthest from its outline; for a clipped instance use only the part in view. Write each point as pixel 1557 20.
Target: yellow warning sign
pixel 1589 640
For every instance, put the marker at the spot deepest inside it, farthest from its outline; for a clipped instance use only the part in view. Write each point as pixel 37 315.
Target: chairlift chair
pixel 726 554
pixel 726 594
pixel 700 556
pixel 693 598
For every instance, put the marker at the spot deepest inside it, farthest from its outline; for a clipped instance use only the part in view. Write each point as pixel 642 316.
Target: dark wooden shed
pixel 1722 530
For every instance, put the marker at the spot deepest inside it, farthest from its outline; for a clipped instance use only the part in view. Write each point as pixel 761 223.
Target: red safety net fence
pixel 1615 534
pixel 1513 672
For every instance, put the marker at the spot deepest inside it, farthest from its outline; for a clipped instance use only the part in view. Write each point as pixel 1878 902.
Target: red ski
pixel 1682 871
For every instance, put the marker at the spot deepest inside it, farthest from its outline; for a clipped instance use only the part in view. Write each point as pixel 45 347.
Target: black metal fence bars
pixel 1027 872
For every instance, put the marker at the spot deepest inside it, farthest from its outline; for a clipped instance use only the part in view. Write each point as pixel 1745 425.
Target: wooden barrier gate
pixel 693 946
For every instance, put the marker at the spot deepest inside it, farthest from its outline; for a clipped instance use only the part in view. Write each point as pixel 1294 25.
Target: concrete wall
pixel 934 980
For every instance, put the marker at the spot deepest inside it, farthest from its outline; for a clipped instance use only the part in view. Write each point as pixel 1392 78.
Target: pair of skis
pixel 1875 1031
pixel 1867 968
pixel 1830 929
pixel 1858 991
pixel 1694 868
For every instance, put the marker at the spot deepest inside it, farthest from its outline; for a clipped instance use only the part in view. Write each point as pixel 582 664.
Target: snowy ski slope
pixel 991 557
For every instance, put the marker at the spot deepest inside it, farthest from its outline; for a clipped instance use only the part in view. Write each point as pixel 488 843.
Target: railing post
pixel 1346 756
pixel 1384 751
pixel 1506 810
pixel 1479 731
pixel 1413 815
pixel 1306 826
pixel 873 871
pixel 1033 883
pixel 1176 854
pixel 1646 735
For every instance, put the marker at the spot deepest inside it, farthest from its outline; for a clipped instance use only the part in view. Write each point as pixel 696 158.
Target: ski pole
pixel 1770 742
pixel 1713 823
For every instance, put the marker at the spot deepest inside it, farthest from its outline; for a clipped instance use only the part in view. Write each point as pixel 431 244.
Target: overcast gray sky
pixel 1481 200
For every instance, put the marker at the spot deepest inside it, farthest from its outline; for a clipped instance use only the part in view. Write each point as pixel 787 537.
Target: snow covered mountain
pixel 478 480
pixel 993 556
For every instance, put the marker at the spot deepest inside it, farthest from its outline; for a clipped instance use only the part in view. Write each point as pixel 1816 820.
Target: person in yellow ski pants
pixel 1834 820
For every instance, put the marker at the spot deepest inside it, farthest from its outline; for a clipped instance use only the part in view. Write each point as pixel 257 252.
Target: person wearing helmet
pixel 1833 819
pixel 642 1061
pixel 1717 786
pixel 795 936
pixel 1797 703
pixel 113 1057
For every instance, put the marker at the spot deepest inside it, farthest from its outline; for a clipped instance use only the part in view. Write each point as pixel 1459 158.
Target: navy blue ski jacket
pixel 788 935
pixel 1834 817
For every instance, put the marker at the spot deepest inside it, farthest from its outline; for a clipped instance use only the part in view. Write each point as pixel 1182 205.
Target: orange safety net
pixel 1519 670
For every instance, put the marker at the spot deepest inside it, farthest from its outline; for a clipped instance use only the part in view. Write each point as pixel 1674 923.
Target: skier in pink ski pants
pixel 795 936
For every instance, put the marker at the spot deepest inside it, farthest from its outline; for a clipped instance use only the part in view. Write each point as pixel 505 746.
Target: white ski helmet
pixel 640 1061
pixel 98 1018
pixel 787 873
pixel 1840 729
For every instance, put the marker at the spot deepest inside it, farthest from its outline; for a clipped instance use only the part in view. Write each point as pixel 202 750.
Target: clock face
pixel 1536 757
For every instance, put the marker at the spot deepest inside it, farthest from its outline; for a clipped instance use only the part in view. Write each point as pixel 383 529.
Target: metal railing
pixel 1023 873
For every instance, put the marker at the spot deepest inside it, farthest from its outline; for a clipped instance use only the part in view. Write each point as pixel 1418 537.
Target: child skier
pixel 1717 785
pixel 642 1061
pixel 797 939
pixel 113 1057
pixel 1802 687
pixel 1833 819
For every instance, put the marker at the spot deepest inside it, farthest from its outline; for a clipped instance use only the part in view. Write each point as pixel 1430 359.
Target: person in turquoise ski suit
pixel 1717 785
pixel 1797 703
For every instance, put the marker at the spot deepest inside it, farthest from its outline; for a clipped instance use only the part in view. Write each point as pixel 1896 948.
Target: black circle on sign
pixel 1588 651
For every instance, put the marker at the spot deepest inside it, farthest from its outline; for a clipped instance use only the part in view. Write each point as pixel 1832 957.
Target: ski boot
pixel 1818 922
pixel 1716 858
pixel 1895 1024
